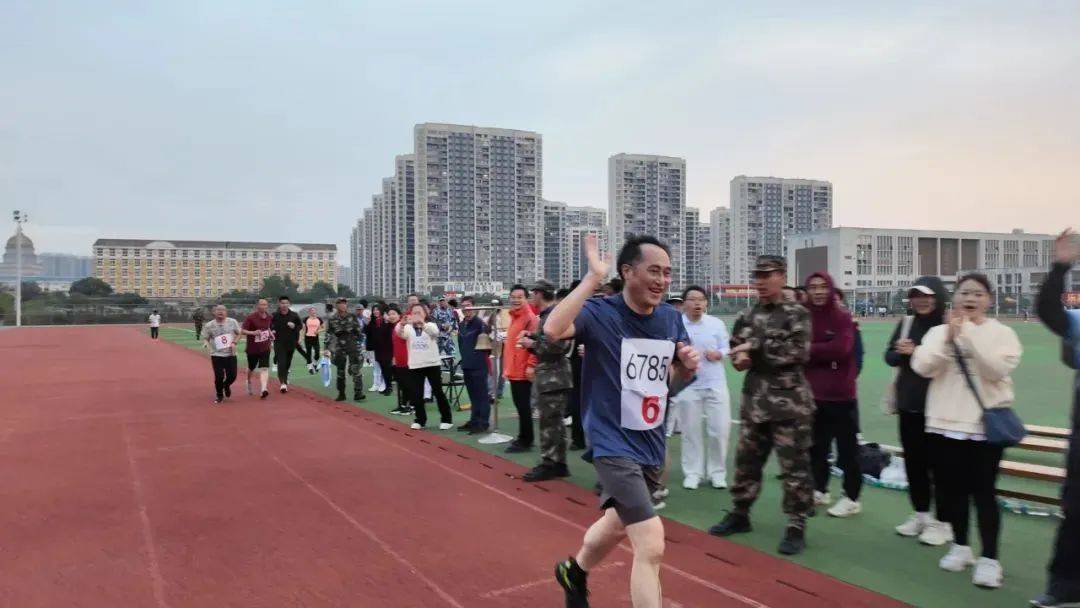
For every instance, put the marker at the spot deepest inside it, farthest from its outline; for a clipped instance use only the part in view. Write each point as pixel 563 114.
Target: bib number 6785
pixel 650 409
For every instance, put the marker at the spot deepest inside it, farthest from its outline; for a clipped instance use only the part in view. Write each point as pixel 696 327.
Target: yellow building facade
pixel 207 269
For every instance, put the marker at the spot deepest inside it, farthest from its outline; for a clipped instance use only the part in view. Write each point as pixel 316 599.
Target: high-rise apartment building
pixel 720 245
pixel 207 269
pixel 561 222
pixel 403 231
pixel 698 261
pixel 647 195
pixel 766 210
pixel 478 206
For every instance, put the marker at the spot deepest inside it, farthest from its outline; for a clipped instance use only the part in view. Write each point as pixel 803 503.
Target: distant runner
pixel 286 325
pixel 155 324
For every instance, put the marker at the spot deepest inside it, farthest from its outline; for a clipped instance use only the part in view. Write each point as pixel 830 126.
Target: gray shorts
pixel 628 487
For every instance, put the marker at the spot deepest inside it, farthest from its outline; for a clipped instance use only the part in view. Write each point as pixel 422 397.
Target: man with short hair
pixel 260 338
pixel 552 382
pixel 343 349
pixel 705 402
pixel 519 365
pixel 633 343
pixel 219 335
pixel 286 325
pixel 474 368
pixel 447 320
pixel 771 342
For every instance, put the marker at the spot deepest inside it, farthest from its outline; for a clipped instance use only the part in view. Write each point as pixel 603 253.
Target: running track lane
pixel 122 486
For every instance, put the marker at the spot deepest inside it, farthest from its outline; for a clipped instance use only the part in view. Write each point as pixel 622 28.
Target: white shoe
pixel 659 505
pixel 661 494
pixel 988 573
pixel 957 559
pixel 568 421
pixel 691 482
pixel 273 369
pixel 446 426
pixel 284 388
pixel 822 499
pixel 914 526
pixel 719 483
pixel 415 426
pixel 936 533
pixel 845 507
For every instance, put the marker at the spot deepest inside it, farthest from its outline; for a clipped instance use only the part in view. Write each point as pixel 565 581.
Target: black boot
pixel 340 396
pixel 359 396
pixel 547 471
pixel 733 523
pixel 794 541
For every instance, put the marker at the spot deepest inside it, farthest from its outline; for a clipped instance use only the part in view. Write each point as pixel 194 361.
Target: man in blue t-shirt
pixel 1063 588
pixel 633 342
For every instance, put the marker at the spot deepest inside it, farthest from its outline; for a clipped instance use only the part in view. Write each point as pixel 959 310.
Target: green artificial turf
pixel 863 550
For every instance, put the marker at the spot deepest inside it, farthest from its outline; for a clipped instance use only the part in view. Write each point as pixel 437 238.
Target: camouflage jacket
pixel 342 333
pixel 779 336
pixel 552 365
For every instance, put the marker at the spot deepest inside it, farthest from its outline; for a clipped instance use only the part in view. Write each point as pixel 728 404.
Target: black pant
pixel 283 353
pixel 521 393
pixel 224 373
pixel 836 420
pixel 153 333
pixel 577 431
pixel 404 387
pixel 310 350
pixel 917 461
pixel 1065 564
pixel 433 375
pixel 967 472
pixel 387 369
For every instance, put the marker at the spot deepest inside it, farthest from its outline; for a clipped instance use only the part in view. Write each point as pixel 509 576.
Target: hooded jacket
pixel 832 369
pixel 911 387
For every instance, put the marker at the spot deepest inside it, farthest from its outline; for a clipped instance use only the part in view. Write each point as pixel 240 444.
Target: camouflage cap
pixel 543 286
pixel 770 263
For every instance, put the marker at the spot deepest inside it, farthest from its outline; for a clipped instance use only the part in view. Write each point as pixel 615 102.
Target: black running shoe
pixel 228 392
pixel 574 582
pixel 733 523
pixel 794 541
pixel 479 430
pixel 264 395
pixel 546 472
pixel 1049 600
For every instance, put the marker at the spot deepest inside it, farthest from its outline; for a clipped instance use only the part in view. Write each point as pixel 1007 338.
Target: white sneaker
pixel 284 388
pixel 658 504
pixel 446 426
pixel 957 559
pixel 845 507
pixel 415 426
pixel 691 482
pixel 988 573
pixel 936 533
pixel 822 499
pixel 719 483
pixel 914 526
pixel 661 494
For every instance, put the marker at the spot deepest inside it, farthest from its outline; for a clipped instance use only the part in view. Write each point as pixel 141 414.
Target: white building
pixel 577 264
pixel 647 196
pixel 698 258
pixel 478 209
pixel 889 260
pixel 720 246
pixel 766 210
pixel 563 227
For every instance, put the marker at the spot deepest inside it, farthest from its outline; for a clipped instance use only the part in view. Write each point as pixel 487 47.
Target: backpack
pixel 872 459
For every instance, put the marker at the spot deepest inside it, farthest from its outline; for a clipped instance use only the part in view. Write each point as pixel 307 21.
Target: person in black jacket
pixel 927 299
pixel 1063 588
pixel 285 324
pixel 379 334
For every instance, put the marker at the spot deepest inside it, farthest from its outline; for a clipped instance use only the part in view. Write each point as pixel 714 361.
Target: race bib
pixel 224 341
pixel 262 335
pixel 643 372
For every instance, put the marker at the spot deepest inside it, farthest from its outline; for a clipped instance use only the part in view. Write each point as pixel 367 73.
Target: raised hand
pixel 599 263
pixel 1067 247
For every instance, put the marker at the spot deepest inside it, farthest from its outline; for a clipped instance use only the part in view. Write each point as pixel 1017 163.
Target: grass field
pixel 863 550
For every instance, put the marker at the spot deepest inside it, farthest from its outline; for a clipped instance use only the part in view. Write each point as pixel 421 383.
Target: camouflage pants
pixel 351 357
pixel 792 440
pixel 552 409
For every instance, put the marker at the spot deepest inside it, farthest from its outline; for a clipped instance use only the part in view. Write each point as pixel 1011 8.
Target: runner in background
pixel 632 341
pixel 155 325
pixel 257 328
pixel 199 318
pixel 219 335
pixel 286 325
pixel 310 349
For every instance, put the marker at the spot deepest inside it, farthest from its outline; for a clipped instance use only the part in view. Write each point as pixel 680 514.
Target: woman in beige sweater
pixel 966 465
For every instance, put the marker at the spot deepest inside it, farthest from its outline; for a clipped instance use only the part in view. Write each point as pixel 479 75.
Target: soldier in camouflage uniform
pixel 551 387
pixel 343 347
pixel 771 342
pixel 199 318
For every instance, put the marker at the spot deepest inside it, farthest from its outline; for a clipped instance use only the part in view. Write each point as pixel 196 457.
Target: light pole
pixel 20 219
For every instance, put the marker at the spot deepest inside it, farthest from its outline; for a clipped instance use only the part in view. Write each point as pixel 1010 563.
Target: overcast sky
pixel 276 121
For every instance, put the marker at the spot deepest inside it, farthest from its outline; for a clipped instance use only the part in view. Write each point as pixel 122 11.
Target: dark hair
pixel 696 288
pixel 155 311
pixel 393 307
pixel 840 294
pixel 518 286
pixel 979 278
pixel 424 306
pixel 562 293
pixel 283 298
pixel 467 299
pixel 616 284
pixel 630 253
pixel 787 287
pixel 452 302
pixel 363 303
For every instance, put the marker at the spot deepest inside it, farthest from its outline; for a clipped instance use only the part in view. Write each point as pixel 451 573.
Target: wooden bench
pixel 1044 444
pixel 1047 431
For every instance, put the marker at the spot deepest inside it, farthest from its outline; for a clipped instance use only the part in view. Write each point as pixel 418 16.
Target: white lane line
pixel 543 581
pixel 147 533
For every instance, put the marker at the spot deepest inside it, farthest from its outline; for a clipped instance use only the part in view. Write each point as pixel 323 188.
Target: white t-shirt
pixel 155 320
pixel 423 345
pixel 709 333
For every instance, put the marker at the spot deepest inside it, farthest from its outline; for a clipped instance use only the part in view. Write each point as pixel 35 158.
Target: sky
pixel 276 121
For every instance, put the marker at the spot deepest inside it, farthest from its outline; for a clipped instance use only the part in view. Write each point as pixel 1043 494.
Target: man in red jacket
pixel 518 366
pixel 831 372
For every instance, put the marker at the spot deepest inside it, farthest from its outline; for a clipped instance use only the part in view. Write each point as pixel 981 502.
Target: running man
pixel 219 335
pixel 632 339
pixel 286 325
pixel 155 324
pixel 257 328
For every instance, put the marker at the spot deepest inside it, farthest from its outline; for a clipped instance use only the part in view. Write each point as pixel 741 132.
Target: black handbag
pixel 1003 427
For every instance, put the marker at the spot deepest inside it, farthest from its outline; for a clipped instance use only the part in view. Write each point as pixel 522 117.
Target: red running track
pixel 121 486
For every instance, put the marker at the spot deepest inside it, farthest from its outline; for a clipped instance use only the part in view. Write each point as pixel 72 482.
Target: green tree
pixel 275 286
pixel 344 291
pixel 319 292
pixel 129 300
pixel 239 295
pixel 91 286
pixel 30 291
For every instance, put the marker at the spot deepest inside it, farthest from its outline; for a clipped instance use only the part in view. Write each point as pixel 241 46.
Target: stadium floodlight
pixel 20 218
